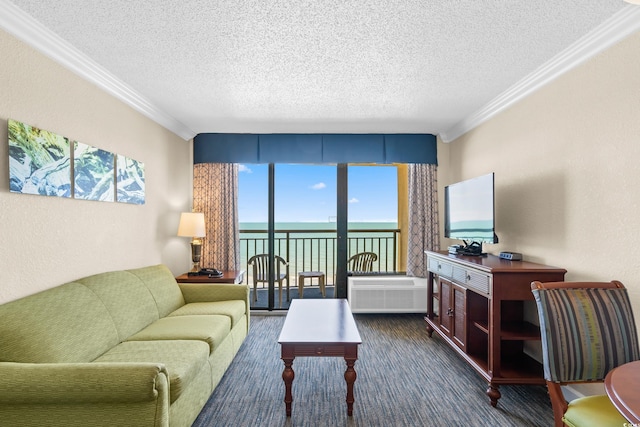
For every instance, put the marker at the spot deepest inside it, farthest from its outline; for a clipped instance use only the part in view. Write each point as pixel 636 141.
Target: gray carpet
pixel 404 379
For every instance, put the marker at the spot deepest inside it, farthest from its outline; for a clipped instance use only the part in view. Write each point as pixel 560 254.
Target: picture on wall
pixel 42 162
pixel 39 161
pixel 93 173
pixel 130 180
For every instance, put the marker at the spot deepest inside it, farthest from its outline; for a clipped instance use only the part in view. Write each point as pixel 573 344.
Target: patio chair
pixel 587 329
pixel 362 262
pixel 260 268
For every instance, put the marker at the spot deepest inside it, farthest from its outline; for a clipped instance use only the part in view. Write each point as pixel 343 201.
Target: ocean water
pixel 329 225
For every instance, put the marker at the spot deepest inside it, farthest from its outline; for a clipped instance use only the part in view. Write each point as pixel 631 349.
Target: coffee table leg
pixel 287 376
pixel 350 377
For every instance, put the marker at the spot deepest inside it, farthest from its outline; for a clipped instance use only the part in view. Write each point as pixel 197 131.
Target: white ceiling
pixel 320 66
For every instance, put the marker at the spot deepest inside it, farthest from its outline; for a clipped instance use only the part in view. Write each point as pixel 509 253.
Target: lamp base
pixel 196 254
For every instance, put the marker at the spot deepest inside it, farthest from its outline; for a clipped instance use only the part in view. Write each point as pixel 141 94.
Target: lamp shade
pixel 191 225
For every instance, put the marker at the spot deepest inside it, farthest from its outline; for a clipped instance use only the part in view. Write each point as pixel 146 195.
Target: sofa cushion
pixel 235 309
pixel 182 359
pixel 66 324
pixel 211 329
pixel 163 286
pixel 130 303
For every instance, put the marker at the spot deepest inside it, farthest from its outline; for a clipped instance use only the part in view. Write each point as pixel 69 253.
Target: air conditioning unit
pixel 387 294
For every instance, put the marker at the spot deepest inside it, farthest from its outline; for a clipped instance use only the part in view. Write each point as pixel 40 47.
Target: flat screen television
pixel 469 211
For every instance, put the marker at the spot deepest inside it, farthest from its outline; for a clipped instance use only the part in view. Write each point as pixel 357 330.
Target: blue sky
pixel 307 193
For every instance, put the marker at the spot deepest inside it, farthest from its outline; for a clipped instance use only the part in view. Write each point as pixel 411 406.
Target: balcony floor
pixel 310 292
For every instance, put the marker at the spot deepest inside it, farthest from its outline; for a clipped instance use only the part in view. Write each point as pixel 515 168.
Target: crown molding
pixel 23 26
pixel 622 24
pixel 15 21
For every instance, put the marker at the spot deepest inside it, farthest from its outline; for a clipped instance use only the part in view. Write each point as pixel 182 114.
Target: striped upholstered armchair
pixel 569 312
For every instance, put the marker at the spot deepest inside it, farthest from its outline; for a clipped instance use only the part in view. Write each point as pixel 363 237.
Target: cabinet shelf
pixel 482 325
pixel 517 331
pixel 520 331
pixel 523 368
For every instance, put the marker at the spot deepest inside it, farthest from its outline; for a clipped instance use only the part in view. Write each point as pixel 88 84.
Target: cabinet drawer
pixel 443 269
pixel 472 279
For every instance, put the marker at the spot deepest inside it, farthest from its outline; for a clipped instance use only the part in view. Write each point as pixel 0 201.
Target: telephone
pixel 211 272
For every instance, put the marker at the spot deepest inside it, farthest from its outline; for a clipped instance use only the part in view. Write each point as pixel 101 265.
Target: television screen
pixel 469 210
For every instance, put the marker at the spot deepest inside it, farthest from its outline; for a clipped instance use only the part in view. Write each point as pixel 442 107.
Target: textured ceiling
pixel 396 66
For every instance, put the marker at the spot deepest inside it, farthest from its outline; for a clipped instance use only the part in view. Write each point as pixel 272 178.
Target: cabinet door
pixel 453 312
pixel 445 307
pixel 459 319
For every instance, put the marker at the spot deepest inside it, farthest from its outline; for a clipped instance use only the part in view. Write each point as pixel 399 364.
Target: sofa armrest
pixel 199 292
pixel 60 383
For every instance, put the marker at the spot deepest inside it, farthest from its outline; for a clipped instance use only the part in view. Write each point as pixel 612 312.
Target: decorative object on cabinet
pixel 192 225
pixel 476 304
pixel 587 330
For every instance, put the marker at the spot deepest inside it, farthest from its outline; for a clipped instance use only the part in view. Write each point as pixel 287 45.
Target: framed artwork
pixel 93 177
pixel 129 180
pixel 39 161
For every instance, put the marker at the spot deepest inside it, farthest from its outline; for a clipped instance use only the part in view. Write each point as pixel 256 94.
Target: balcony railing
pixel 315 250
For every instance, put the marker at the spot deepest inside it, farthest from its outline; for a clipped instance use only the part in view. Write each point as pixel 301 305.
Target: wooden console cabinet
pixel 476 304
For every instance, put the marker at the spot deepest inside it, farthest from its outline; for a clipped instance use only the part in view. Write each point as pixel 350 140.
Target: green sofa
pixel 123 348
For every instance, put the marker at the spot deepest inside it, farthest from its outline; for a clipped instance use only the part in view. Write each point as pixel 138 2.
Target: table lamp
pixel 192 225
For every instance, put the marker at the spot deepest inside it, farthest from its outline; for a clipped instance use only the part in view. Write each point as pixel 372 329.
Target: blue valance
pixel 314 148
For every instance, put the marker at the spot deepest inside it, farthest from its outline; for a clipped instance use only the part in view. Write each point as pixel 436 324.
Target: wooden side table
pixel 228 276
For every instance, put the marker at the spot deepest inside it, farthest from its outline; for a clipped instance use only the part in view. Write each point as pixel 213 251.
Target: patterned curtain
pixel 423 227
pixel 215 193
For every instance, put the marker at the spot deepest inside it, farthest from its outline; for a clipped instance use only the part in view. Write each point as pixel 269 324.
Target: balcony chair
pixel 569 312
pixel 260 268
pixel 362 262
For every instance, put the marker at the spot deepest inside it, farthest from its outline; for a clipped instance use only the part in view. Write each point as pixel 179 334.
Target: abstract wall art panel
pixel 93 173
pixel 39 161
pixel 130 180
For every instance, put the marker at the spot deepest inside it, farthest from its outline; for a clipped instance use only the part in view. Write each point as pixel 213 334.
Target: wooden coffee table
pixel 319 328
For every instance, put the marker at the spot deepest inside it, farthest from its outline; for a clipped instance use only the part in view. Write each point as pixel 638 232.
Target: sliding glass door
pixel 288 216
pixel 299 224
pixel 305 229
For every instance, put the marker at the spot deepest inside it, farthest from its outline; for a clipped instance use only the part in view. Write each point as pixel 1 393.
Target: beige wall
pixel 567 170
pixel 46 241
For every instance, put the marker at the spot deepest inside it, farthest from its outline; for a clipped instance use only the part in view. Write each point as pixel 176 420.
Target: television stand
pixel 477 304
